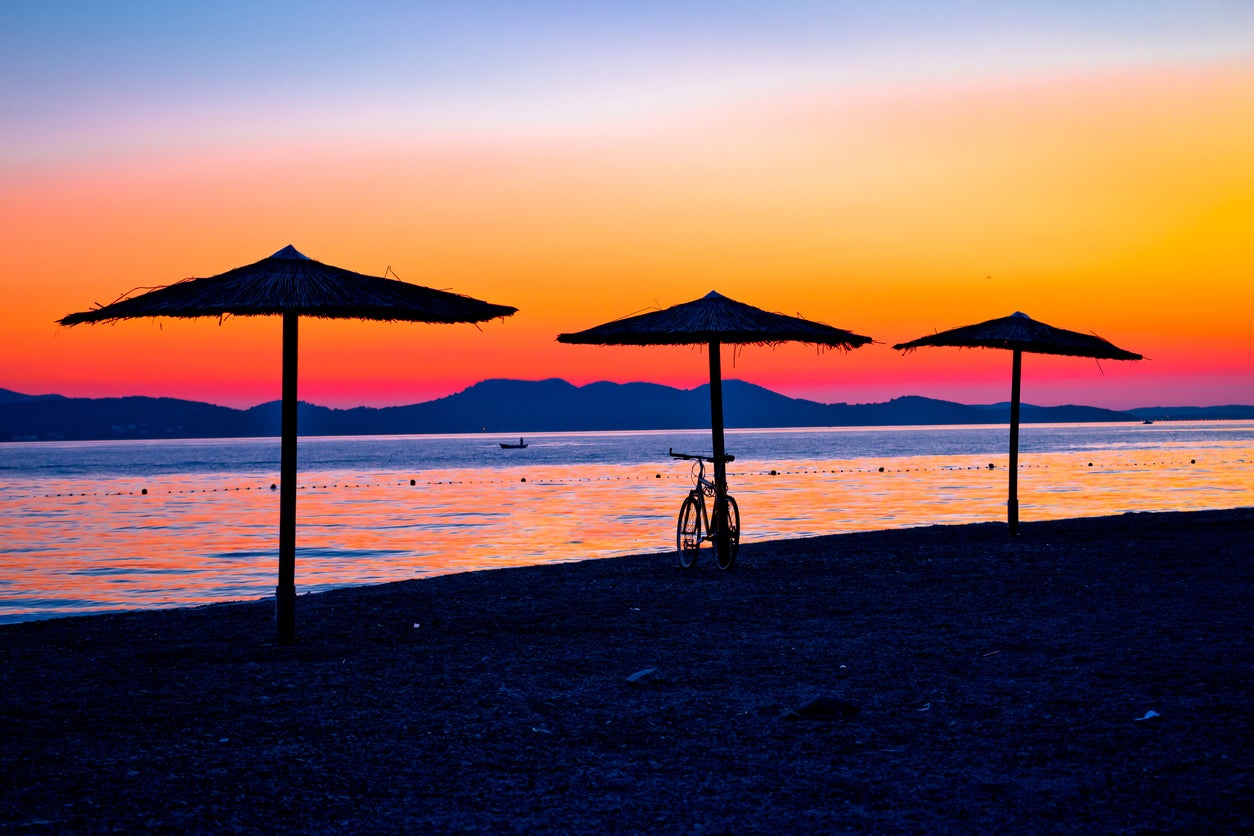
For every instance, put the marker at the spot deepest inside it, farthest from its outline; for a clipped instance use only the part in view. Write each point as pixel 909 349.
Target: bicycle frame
pixel 696 522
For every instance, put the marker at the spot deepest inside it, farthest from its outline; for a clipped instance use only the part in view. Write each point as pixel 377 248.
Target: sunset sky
pixel 892 168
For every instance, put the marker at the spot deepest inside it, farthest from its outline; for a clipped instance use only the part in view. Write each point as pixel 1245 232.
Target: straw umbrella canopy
pixel 291 285
pixel 712 321
pixel 1020 333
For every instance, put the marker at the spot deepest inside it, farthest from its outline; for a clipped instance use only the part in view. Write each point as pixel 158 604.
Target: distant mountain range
pixel 526 406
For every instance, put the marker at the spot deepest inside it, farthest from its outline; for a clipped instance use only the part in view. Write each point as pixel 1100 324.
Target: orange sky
pixel 1116 199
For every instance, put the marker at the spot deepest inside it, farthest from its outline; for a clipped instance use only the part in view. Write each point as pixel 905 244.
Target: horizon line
pixel 616 383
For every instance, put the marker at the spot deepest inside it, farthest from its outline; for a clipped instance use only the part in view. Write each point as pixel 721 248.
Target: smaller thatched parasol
pixel 1019 333
pixel 292 285
pixel 713 320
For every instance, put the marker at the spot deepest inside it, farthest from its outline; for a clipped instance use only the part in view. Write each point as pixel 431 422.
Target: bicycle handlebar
pixel 693 457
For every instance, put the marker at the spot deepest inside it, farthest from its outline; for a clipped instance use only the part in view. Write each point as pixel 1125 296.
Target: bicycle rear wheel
pixel 728 560
pixel 688 533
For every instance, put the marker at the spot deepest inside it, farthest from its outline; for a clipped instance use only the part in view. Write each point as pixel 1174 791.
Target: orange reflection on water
pixel 812 498
pixel 209 538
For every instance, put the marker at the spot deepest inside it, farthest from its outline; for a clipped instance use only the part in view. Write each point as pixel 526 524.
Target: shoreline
pixel 939 678
pixel 777 543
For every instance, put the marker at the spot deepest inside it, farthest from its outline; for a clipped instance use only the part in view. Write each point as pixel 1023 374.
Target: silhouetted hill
pixel 522 406
pixel 131 417
pixel 1231 412
pixel 8 396
pixel 1029 414
pixel 533 406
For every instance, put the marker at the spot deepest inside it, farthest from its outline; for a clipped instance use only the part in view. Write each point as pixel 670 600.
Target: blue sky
pixel 86 78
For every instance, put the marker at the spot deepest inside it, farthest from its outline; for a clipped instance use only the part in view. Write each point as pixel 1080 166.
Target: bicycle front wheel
pixel 688 533
pixel 728 560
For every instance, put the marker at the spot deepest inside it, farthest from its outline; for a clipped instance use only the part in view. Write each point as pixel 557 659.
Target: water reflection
pixel 69 547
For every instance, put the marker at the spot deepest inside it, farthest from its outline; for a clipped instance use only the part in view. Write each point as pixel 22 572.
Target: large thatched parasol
pixel 1019 333
pixel 713 320
pixel 292 285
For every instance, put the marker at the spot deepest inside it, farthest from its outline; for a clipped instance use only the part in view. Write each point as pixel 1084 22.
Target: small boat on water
pixel 521 445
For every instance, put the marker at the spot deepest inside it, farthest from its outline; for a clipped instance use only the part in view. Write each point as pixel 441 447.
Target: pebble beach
pixel 1089 675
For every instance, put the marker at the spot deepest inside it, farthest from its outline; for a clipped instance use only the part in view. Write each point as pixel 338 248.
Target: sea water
pixel 101 526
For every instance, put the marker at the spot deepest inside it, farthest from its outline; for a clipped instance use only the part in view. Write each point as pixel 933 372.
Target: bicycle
pixel 696 524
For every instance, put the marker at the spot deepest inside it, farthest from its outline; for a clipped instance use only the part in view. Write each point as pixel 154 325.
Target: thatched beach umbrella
pixel 1019 333
pixel 712 321
pixel 292 285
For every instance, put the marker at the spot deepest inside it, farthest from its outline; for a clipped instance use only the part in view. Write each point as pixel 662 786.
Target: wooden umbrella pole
pixel 721 539
pixel 1012 505
pixel 285 592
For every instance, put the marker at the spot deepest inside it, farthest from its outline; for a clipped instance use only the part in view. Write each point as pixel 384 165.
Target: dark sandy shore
pixel 936 680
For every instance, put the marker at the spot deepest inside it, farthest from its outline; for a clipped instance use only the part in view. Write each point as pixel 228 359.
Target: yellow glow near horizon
pixel 1119 203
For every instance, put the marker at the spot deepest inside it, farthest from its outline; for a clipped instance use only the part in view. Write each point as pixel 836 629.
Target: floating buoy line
pixel 673 477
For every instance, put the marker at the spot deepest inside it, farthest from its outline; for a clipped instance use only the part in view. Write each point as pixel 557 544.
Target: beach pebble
pixel 823 708
pixel 647 676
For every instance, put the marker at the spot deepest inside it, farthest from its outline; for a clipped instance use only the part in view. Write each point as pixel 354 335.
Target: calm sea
pixel 100 526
